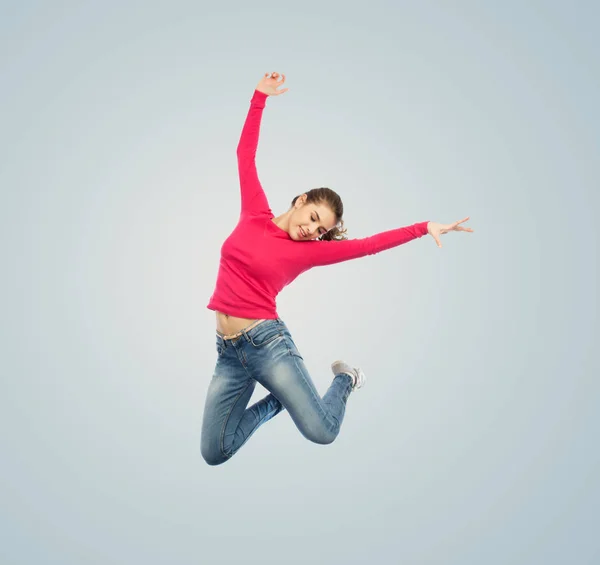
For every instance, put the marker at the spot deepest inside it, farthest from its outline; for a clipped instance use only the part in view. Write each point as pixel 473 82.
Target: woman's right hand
pixel 269 84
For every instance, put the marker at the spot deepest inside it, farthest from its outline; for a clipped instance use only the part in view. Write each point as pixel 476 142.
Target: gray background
pixel 475 439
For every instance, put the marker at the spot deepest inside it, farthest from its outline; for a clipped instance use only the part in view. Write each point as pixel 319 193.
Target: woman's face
pixel 309 221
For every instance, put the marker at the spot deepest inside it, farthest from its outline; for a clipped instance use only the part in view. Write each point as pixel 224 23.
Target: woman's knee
pixel 213 461
pixel 322 436
pixel 212 454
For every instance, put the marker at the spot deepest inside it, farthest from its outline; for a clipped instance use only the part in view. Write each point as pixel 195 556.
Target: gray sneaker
pixel 358 377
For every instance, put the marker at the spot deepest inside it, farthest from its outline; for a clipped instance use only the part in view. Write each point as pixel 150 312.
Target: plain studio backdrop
pixel 475 439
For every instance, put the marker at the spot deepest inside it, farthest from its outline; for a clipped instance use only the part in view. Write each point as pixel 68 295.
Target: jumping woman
pixel 260 257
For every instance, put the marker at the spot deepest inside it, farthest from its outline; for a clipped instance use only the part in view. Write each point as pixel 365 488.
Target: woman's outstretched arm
pixel 329 252
pixel 253 196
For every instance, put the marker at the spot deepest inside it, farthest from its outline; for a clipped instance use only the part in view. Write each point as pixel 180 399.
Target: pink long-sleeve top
pixel 259 259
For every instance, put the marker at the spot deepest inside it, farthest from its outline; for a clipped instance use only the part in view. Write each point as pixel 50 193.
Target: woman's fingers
pixel 279 83
pixel 453 226
pixel 456 225
pixel 436 230
pixel 270 83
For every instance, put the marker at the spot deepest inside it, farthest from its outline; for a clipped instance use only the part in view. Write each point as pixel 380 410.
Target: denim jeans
pixel 266 354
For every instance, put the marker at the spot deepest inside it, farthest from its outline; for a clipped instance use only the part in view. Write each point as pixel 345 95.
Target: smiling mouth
pixel 302 234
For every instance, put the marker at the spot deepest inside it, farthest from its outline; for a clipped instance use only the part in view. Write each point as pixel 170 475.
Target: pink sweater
pixel 259 259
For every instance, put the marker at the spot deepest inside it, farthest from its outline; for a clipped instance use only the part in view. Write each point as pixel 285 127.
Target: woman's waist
pixel 228 325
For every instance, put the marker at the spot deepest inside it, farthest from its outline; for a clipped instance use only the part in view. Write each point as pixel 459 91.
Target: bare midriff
pixel 229 325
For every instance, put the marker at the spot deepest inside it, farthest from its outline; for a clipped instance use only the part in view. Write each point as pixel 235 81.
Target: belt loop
pixel 250 327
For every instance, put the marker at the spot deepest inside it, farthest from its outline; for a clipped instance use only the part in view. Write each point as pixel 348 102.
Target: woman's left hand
pixel 435 230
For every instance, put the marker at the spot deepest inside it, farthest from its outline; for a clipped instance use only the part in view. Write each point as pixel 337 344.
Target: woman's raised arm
pixel 253 197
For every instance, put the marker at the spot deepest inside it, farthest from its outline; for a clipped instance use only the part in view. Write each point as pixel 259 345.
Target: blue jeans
pixel 266 354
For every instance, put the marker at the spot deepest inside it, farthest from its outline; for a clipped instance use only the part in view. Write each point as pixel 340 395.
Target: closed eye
pixel 322 230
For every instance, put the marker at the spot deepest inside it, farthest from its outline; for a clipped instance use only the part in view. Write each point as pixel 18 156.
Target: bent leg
pixel 281 370
pixel 252 418
pixel 227 422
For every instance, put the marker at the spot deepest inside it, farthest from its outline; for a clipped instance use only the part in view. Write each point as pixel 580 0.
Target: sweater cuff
pixel 259 99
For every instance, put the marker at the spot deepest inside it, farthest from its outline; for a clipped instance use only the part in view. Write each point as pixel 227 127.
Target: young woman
pixel 262 255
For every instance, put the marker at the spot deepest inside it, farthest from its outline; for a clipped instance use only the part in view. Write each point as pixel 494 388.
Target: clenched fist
pixel 269 84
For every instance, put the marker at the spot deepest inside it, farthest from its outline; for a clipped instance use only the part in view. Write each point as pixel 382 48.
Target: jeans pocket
pixel 263 335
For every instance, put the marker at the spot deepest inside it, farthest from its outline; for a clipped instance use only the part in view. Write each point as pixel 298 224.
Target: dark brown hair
pixel 330 198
